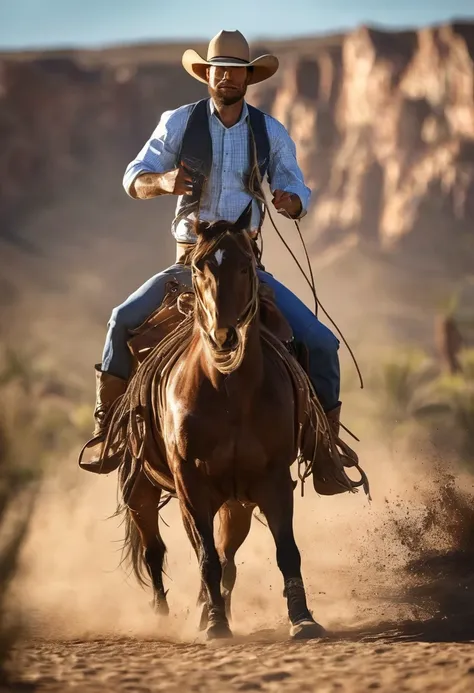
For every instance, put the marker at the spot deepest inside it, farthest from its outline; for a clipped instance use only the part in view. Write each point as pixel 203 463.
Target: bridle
pixel 225 361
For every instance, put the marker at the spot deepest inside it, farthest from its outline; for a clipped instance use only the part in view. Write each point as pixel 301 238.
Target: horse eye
pixel 244 270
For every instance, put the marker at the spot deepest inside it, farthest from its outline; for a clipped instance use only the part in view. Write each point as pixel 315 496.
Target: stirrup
pixel 101 465
pixel 350 459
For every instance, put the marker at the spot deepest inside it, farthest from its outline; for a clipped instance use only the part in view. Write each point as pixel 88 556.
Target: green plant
pixel 402 384
pixel 17 495
pixel 411 394
pixel 36 429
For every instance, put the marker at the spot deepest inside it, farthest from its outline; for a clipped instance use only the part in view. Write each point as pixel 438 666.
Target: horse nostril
pixel 219 336
pixel 232 339
pixel 224 338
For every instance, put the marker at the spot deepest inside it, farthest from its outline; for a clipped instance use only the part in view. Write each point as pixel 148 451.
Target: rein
pixel 224 362
pixel 256 187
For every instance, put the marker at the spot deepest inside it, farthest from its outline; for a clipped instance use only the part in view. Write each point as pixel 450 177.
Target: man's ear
pixel 208 73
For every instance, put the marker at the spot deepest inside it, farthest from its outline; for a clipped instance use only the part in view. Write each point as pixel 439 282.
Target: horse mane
pixel 207 231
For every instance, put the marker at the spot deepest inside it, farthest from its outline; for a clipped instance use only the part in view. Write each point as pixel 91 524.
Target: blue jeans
pixel 321 343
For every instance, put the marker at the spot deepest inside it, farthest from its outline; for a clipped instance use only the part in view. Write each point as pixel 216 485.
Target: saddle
pixel 178 303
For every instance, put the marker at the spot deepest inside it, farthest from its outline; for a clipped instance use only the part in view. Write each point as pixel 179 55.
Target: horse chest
pixel 231 429
pixel 226 439
pixel 221 444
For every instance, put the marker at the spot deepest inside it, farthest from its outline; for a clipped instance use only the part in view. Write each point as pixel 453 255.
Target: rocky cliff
pixel 383 122
pixel 384 125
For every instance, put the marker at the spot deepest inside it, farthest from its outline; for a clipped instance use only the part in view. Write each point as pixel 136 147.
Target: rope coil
pixel 256 188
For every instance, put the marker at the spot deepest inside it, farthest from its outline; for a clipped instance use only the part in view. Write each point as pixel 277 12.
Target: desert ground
pixel 335 666
pixel 392 580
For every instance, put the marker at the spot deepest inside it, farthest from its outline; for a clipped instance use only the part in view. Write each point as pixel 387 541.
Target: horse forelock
pixel 211 235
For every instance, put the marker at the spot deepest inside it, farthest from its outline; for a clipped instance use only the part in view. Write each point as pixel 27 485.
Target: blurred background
pixel 379 99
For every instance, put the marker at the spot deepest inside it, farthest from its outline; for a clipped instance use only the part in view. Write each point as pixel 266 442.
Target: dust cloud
pixel 357 556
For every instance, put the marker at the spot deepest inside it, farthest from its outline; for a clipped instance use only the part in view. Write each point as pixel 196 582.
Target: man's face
pixel 227 85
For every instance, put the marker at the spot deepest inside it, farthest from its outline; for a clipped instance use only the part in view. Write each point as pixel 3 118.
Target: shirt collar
pixel 243 115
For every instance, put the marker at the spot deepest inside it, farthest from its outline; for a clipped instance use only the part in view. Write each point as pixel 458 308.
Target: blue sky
pixel 49 23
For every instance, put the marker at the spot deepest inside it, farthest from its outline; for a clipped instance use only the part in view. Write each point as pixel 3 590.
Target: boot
pixel 328 485
pixel 108 389
pixel 348 455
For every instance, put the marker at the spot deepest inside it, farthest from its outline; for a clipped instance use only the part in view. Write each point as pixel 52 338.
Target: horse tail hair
pixel 133 554
pixel 132 551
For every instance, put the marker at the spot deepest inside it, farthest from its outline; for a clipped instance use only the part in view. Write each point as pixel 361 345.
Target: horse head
pixel 225 282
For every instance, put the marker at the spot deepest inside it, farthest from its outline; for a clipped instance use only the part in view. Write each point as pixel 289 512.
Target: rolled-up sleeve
pixel 283 169
pixel 160 153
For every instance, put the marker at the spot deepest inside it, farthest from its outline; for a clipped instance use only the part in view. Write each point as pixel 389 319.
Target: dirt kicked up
pixel 392 581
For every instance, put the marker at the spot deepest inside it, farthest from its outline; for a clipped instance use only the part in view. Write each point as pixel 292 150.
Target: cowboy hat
pixel 229 49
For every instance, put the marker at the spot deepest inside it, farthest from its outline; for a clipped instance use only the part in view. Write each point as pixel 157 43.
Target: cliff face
pixel 383 122
pixel 384 127
pixel 59 118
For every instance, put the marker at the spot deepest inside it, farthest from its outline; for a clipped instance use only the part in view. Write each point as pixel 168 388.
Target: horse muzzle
pixel 224 339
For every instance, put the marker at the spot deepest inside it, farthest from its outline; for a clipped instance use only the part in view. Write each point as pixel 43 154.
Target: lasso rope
pixel 144 403
pixel 138 421
pixel 257 190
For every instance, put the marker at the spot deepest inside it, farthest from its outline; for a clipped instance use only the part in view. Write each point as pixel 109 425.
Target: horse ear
pixel 200 227
pixel 243 222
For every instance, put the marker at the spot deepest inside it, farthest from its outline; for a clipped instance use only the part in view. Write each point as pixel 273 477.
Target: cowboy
pixel 202 153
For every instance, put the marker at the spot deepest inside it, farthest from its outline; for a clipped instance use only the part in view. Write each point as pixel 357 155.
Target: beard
pixel 227 99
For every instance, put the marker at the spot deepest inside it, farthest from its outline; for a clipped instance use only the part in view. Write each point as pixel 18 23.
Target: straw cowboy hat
pixel 229 49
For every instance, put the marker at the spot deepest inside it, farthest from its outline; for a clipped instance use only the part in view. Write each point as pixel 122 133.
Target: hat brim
pixel 264 67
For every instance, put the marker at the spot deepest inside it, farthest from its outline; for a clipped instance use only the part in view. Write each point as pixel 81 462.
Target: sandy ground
pixel 142 666
pixel 392 581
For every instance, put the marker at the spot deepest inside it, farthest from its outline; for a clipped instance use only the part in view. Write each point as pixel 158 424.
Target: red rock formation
pixel 384 125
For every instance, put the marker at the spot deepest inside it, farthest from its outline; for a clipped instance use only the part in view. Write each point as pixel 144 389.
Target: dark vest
pixel 196 152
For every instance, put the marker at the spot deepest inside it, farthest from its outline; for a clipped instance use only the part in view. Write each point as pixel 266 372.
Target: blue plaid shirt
pixel 225 196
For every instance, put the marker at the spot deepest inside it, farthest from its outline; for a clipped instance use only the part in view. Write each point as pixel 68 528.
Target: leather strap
pixel 183 253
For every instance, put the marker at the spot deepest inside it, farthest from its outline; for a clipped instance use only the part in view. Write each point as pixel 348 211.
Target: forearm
pixel 284 172
pixel 149 185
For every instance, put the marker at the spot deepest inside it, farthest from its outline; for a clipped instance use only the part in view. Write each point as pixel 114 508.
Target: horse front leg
pixel 275 499
pixel 198 507
pixel 202 605
pixel 235 520
pixel 234 526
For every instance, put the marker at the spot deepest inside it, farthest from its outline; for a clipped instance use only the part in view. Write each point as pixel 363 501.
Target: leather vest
pixel 196 152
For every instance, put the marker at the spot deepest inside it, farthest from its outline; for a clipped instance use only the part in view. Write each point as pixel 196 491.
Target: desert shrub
pixel 412 394
pixel 37 429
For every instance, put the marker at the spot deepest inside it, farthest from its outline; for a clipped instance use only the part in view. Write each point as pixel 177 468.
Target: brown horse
pixel 220 415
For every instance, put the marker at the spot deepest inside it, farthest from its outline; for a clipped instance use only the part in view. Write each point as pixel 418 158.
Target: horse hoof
pixel 219 631
pixel 160 608
pixel 307 630
pixel 204 619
